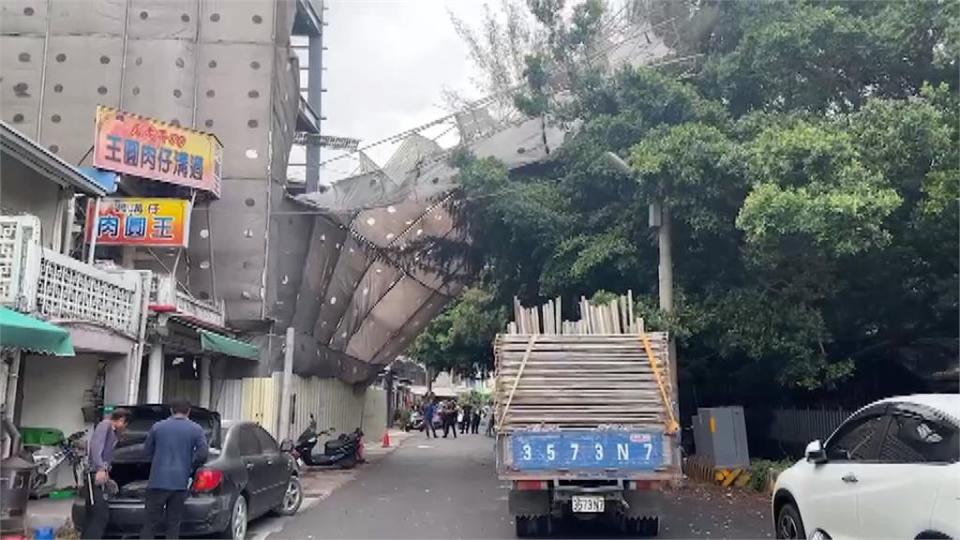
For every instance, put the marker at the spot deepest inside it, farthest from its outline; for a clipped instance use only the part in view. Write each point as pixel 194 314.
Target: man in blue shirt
pixel 176 446
pixel 429 408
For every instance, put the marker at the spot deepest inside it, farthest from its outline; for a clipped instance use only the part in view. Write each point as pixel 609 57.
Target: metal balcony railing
pixel 34 279
pixel 165 296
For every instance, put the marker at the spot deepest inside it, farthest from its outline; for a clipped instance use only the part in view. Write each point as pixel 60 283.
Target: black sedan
pixel 246 476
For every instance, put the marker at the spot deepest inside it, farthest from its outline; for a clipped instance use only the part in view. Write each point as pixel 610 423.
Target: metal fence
pixel 780 433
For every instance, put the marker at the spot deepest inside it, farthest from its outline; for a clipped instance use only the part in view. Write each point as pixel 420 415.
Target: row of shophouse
pixel 93 316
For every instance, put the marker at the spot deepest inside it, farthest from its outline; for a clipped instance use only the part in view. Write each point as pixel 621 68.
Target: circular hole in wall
pixel 54 148
pixel 252 123
pixel 179 62
pixel 212 64
pixel 177 93
pixel 253 94
pixel 136 90
pixel 185 17
pixel 246 265
pixel 144 15
pixel 255 65
pixel 249 202
pixel 61 57
pixel 215 17
pixel 138 61
pixel 211 93
pixel 104 60
pixel 208 123
pixel 28 11
pixel 55 119
pixel 102 90
pixel 58 88
pixel 24 57
pixel 17 118
pixel 257 19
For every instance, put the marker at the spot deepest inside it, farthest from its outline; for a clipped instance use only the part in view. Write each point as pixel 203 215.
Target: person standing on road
pixel 475 421
pixel 490 420
pixel 464 418
pixel 449 419
pixel 97 478
pixel 175 446
pixel 429 408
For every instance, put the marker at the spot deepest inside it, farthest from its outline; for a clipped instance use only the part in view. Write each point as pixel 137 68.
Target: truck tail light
pixel 643 485
pixel 530 485
pixel 207 480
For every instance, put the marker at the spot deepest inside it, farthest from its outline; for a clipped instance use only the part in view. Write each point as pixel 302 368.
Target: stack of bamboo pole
pixel 616 317
pixel 581 374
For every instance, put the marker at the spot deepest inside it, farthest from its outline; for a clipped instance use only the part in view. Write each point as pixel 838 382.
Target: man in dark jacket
pixel 176 446
pixel 99 457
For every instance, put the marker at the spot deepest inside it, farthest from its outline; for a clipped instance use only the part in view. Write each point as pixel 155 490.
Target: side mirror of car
pixel 815 453
pixel 286 445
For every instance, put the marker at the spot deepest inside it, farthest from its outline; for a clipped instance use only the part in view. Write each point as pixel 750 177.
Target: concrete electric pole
pixel 661 219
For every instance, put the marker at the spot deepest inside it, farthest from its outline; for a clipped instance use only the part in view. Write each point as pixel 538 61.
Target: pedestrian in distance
pixel 449 419
pixel 176 447
pixel 491 418
pixel 97 476
pixel 466 412
pixel 429 408
pixel 475 422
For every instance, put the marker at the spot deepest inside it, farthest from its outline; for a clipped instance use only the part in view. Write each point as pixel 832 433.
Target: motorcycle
pixel 344 452
pixel 68 451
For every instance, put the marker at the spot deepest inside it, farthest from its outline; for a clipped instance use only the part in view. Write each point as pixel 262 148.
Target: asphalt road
pixel 448 489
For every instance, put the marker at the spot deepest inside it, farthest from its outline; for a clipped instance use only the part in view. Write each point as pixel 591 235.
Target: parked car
pixel 891 470
pixel 246 476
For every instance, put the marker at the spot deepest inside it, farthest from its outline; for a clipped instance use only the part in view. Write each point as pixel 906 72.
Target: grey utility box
pixel 720 434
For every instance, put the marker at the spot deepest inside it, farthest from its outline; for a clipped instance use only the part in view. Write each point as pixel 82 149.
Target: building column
pixel 155 373
pixel 314 93
pixel 205 382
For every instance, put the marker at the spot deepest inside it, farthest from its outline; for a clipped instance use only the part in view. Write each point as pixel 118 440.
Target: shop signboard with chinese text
pixel 140 222
pixel 139 146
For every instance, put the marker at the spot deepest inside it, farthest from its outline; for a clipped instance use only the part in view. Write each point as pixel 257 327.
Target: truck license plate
pixel 587 505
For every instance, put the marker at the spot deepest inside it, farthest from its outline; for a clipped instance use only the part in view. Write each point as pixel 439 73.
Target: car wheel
pixel 789 524
pixel 238 519
pixel 292 499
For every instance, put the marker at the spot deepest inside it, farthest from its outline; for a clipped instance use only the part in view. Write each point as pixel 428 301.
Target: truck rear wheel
pixel 533 526
pixel 641 526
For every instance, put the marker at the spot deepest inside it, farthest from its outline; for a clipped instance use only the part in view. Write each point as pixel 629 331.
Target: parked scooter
pixel 67 452
pixel 344 452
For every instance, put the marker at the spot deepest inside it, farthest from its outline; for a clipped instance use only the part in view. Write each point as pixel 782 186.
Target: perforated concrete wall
pixel 221 66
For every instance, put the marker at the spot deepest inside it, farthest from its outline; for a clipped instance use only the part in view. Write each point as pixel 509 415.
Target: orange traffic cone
pixel 386 439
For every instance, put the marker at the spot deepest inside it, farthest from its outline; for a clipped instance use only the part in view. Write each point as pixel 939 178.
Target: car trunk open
pixel 131 467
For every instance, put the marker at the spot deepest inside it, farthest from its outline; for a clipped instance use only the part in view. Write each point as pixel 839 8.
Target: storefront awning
pixel 217 343
pixel 19 331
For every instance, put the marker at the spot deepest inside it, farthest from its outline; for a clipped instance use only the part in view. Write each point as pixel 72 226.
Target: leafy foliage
pixel 810 166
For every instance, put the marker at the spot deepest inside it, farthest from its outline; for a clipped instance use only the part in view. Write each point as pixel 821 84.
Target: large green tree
pixel 810 165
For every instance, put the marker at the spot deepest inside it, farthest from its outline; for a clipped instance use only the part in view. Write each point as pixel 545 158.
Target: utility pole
pixel 283 430
pixel 660 219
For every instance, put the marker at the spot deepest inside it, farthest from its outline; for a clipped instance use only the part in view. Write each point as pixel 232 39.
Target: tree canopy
pixel 810 163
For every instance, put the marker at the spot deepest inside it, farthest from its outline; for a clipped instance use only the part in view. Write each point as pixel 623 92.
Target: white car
pixel 891 470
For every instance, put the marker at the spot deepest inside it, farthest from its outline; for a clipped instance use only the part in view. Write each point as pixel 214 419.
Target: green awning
pixel 217 343
pixel 19 331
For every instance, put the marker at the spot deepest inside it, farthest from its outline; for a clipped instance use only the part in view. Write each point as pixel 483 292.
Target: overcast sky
pixel 388 62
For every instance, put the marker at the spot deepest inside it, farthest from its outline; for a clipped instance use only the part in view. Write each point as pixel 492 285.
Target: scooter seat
pixel 332 447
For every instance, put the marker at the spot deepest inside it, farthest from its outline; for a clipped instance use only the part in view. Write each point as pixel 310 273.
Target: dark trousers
pixel 450 425
pixel 97 511
pixel 475 425
pixel 429 428
pixel 157 501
